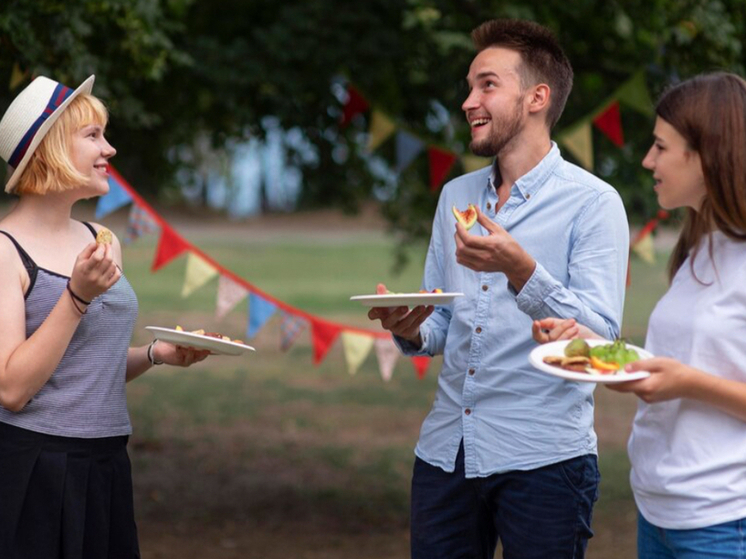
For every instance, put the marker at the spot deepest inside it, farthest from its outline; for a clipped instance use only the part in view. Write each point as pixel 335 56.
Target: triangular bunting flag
pixel 16 77
pixel 441 162
pixel 421 363
pixel 474 162
pixel 387 354
pixel 579 142
pixel 198 273
pixel 229 295
pixel 356 348
pixel 610 123
pixel 113 200
pixel 408 147
pixel 323 335
pixel 355 104
pixel 290 328
pixel 634 94
pixel 381 127
pixel 140 223
pixel 645 249
pixel 260 311
pixel 170 245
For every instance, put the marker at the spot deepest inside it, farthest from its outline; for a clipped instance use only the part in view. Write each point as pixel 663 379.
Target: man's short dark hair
pixel 543 60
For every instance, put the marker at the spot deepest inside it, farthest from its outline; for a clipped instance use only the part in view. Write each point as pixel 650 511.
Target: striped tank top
pixel 85 396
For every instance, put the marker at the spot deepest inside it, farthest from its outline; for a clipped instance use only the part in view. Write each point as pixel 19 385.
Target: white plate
pixel 198 341
pixel 406 299
pixel 537 355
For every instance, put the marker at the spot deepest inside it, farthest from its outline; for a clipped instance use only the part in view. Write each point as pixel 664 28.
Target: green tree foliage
pixel 175 71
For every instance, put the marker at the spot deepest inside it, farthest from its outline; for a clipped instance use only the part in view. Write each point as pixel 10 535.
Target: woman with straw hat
pixel 67 313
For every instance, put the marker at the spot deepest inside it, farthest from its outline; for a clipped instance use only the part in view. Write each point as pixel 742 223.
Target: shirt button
pixel 489 206
pixel 479 329
pixel 467 411
pixel 472 371
pixel 528 196
pixel 485 288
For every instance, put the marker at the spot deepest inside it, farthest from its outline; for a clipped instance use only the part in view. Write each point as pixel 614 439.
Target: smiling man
pixel 508 453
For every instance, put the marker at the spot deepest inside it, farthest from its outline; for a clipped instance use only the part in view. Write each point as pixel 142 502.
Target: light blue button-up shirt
pixel 510 415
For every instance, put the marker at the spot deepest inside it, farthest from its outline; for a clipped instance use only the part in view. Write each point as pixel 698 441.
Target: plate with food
pixel 581 360
pixel 218 344
pixel 391 299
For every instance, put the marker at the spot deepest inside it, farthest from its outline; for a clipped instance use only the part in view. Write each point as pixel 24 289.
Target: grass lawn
pixel 267 456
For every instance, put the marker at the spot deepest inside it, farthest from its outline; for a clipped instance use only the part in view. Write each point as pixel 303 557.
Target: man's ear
pixel 539 98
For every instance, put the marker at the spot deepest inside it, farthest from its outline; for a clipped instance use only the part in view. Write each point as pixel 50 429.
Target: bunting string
pixel 358 343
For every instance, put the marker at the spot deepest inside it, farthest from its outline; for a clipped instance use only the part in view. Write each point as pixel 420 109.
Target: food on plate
pixel 103 236
pixel 217 335
pixel 467 218
pixel 436 290
pixel 598 360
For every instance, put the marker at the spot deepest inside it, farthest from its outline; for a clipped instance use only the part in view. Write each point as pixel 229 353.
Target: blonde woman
pixel 67 315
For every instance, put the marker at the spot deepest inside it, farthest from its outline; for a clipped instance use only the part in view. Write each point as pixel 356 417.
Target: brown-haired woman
pixel 67 315
pixel 688 441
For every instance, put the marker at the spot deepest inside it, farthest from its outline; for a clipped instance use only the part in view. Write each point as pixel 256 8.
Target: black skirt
pixel 64 497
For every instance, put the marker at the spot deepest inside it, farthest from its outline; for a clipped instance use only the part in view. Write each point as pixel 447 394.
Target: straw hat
pixel 29 118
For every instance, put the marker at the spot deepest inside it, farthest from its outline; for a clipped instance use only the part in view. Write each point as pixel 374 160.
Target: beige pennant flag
pixel 229 295
pixel 645 249
pixel 381 127
pixel 579 142
pixel 387 354
pixel 356 349
pixel 474 162
pixel 198 273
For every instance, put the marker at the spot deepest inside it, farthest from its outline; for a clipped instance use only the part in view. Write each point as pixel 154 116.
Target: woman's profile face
pixel 90 156
pixel 677 169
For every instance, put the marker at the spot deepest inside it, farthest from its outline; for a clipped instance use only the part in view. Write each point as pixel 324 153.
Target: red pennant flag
pixel 441 162
pixel 170 245
pixel 356 104
pixel 421 364
pixel 323 335
pixel 610 123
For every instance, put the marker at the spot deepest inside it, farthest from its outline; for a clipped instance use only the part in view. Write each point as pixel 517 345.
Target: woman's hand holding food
pixel 668 379
pixel 95 271
pixel 170 354
pixel 553 329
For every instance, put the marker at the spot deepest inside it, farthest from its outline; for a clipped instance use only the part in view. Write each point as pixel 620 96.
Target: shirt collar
pixel 532 181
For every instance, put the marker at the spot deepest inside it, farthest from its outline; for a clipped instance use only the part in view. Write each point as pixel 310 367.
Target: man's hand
pixel 496 252
pixel 400 321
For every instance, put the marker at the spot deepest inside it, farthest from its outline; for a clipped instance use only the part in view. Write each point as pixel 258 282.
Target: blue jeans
pixel 721 541
pixel 536 514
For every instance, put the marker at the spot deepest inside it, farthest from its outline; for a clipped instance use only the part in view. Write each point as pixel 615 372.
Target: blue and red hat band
pixel 59 95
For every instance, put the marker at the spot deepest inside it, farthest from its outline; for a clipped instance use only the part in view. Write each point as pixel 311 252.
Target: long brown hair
pixel 709 111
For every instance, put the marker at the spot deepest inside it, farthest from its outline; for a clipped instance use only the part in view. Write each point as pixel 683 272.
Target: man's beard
pixel 504 130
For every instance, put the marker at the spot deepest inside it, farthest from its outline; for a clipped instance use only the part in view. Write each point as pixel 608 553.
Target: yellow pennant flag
pixel 381 127
pixel 579 142
pixel 16 77
pixel 356 349
pixel 645 249
pixel 198 273
pixel 474 162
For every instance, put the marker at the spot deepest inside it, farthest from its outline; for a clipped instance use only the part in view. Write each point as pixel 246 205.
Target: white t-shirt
pixel 689 458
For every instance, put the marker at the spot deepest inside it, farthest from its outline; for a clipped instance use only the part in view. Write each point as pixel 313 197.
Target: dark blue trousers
pixel 536 514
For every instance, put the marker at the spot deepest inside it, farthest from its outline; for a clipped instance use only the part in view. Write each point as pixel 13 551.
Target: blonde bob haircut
pixel 51 168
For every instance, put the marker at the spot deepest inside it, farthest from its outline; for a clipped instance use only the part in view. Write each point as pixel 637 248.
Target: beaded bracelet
pixel 151 358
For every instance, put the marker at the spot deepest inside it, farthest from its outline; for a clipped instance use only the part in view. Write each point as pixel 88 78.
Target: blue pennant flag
pixel 115 199
pixel 407 148
pixel 260 310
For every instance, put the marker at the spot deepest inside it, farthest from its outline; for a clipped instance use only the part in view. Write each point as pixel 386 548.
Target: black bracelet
pixel 75 304
pixel 75 296
pixel 151 358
